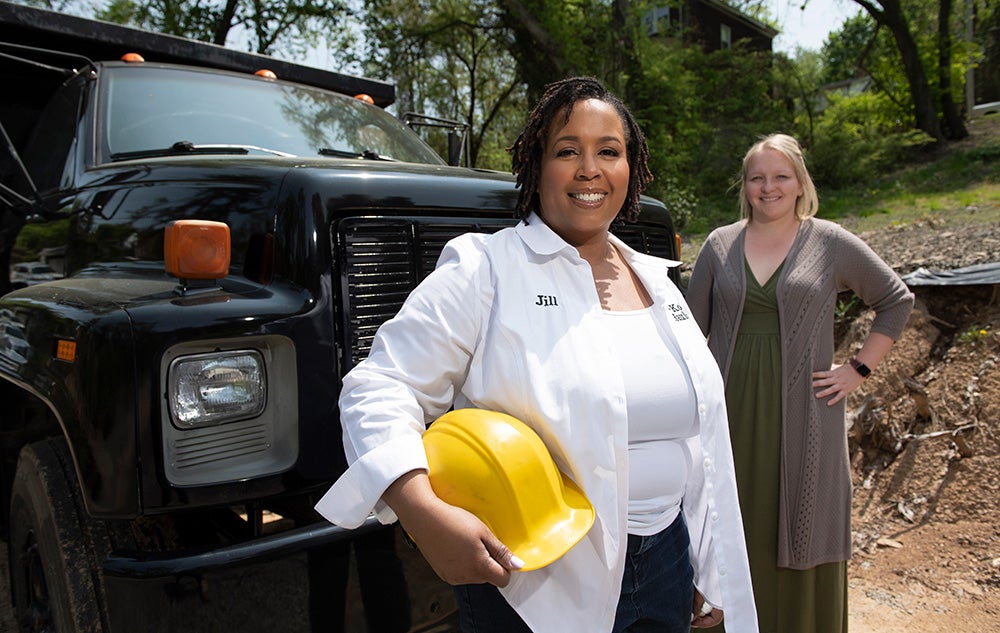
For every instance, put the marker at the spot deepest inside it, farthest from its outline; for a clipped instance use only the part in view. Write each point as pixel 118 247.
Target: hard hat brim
pixel 560 536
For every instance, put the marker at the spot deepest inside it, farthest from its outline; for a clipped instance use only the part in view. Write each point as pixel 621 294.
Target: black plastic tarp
pixel 978 275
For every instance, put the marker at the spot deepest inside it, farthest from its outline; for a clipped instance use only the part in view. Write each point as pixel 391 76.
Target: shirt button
pixel 715 517
pixel 723 570
pixel 708 463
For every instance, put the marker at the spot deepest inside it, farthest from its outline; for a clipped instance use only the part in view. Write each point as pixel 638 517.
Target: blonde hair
pixel 807 204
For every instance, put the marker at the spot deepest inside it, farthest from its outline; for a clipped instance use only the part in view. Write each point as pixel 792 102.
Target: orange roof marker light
pixel 196 249
pixel 266 74
pixel 133 58
pixel 366 98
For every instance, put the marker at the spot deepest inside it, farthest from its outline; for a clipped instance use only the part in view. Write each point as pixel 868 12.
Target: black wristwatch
pixel 860 367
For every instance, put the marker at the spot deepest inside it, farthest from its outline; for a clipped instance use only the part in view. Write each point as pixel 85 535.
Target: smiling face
pixel 584 173
pixel 771 186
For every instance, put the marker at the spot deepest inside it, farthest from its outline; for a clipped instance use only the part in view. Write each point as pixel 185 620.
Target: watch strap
pixel 860 367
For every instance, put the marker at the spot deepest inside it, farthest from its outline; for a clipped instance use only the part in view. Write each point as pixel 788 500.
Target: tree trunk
pixel 954 126
pixel 626 62
pixel 224 23
pixel 891 17
pixel 539 56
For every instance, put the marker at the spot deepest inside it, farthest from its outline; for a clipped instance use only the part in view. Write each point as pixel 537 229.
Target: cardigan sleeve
pixel 861 270
pixel 699 289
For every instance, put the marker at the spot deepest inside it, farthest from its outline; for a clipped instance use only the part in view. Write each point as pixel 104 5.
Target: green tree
pixel 889 14
pixel 928 99
pixel 986 35
pixel 798 87
pixel 449 58
pixel 292 27
pixel 954 127
pixel 553 39
pixel 845 50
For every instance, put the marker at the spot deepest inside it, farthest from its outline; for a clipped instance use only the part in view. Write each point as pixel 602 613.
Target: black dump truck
pixel 226 232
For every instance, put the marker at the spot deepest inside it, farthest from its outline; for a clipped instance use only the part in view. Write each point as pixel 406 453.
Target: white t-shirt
pixel 660 404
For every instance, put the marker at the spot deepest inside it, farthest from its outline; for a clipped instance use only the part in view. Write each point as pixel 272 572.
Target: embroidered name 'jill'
pixel 546 300
pixel 677 311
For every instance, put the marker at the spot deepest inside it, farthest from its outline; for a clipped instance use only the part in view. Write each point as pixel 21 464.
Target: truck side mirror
pixel 457 133
pixel 455 147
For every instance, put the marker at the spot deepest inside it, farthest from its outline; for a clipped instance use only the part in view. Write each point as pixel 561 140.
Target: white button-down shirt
pixel 512 322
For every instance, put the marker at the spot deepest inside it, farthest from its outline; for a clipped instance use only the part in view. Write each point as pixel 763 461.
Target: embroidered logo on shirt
pixel 677 311
pixel 546 300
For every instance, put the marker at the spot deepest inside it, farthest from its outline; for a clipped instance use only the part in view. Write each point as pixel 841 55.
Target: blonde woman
pixel 764 290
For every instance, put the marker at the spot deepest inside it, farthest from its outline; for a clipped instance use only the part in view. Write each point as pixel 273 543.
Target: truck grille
pixel 220 444
pixel 385 258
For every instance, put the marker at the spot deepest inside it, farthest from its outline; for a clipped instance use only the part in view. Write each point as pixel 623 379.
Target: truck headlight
pixel 210 389
pixel 229 410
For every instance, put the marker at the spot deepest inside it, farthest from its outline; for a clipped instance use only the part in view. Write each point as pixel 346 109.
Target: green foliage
pixel 701 111
pixel 859 136
pixel 292 27
pixel 974 334
pixel 553 39
pixel 987 41
pixel 845 50
pixel 34 238
pixel 952 186
pixel 846 307
pixel 449 59
pixel 863 48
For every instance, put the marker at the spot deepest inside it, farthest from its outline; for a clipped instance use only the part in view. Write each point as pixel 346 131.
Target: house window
pixel 725 36
pixel 658 20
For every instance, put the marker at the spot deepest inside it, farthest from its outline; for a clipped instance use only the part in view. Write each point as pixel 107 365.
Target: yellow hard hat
pixel 497 468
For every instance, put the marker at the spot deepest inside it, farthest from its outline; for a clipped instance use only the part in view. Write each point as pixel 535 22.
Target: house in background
pixel 712 23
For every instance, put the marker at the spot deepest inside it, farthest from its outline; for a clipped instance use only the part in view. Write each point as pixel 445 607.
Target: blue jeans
pixel 483 609
pixel 658 584
pixel 657 590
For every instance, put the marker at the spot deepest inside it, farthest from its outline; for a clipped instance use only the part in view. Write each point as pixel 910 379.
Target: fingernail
pixel 516 562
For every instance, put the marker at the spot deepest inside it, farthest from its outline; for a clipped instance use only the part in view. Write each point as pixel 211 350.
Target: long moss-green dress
pixel 788 600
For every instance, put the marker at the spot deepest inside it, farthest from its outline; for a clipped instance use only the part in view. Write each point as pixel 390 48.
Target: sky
pixel 809 28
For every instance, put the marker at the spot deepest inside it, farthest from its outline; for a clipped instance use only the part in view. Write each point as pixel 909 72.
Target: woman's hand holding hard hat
pixel 490 477
pixel 457 545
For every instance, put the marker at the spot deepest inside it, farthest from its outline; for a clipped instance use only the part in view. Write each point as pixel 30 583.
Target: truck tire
pixel 55 548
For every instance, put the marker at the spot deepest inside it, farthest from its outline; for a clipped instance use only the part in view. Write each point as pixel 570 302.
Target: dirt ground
pixel 926 500
pixel 925 445
pixel 925 449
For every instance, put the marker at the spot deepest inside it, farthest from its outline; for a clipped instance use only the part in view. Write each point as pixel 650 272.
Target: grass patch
pixel 957 185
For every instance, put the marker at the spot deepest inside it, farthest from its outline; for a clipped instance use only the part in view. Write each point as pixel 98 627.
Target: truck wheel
pixel 54 565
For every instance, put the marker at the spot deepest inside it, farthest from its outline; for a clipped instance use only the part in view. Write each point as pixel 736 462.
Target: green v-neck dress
pixel 788 600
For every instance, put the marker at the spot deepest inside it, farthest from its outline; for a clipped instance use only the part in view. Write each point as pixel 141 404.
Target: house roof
pixel 736 14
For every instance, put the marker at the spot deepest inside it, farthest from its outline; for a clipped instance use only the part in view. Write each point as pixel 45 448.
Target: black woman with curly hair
pixel 561 325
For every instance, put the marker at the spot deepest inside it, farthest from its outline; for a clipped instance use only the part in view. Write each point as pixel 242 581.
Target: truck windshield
pixel 152 110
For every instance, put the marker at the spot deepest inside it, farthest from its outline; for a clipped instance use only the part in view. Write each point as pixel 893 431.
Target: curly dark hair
pixel 558 99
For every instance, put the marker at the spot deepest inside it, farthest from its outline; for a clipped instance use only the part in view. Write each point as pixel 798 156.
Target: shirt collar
pixel 544 241
pixel 541 239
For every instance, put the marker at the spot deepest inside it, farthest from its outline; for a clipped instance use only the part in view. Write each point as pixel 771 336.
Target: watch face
pixel 860 367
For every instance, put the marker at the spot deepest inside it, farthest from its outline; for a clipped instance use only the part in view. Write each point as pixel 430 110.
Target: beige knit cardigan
pixel 814 522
